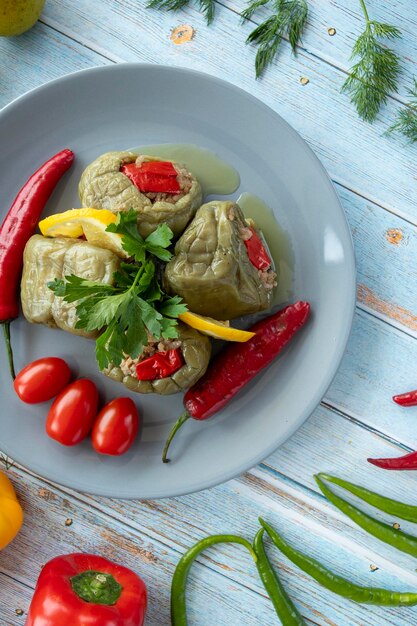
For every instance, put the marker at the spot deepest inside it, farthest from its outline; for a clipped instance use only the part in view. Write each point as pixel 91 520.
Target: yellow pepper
pixel 11 514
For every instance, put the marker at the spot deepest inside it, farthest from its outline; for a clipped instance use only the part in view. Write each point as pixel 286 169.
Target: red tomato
pixel 42 380
pixel 72 413
pixel 116 427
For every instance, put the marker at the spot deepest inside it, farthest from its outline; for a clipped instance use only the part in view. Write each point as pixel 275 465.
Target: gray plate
pixel 114 107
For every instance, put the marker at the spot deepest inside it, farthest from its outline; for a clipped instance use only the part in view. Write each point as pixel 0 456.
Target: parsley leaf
pixel 80 288
pixel 136 247
pixel 132 241
pixel 157 242
pixel 172 307
pixel 135 306
pixel 169 328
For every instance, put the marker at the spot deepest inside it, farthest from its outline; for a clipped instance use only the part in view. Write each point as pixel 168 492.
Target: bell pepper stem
pixel 96 587
pixel 6 332
pixel 180 421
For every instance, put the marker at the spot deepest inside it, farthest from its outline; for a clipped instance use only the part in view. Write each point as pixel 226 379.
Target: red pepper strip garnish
pixel 257 254
pixel 406 399
pixel 163 168
pixel 17 228
pixel 153 176
pixel 238 363
pixel 160 365
pixel 406 462
pixel 80 589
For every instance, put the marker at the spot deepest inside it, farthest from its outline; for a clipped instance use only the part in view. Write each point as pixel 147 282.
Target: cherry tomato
pixel 72 413
pixel 42 380
pixel 116 427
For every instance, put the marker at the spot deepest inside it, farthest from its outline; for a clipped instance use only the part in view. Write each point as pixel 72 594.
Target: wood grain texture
pixel 376 181
pixel 355 153
pixel 401 310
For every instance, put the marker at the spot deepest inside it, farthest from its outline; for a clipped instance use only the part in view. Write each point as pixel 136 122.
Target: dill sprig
pixel 289 19
pixel 406 122
pixel 376 71
pixel 206 6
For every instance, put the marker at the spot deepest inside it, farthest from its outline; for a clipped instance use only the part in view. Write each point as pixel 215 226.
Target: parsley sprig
pixel 135 304
pixel 375 73
pixel 288 20
pixel 406 122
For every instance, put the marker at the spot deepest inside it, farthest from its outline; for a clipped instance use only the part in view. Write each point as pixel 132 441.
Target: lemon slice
pixel 91 223
pixel 215 328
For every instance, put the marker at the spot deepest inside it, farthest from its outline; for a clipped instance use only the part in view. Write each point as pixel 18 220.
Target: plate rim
pixel 351 287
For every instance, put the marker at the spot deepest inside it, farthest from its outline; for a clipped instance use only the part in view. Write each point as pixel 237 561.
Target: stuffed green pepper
pixel 221 268
pixel 160 191
pixel 165 366
pixel 47 258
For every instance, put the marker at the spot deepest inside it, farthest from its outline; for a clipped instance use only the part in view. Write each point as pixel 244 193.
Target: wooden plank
pixel 149 535
pixel 47 535
pixel 39 56
pixel 14 598
pixel 386 249
pixel 282 488
pixel 355 153
pixel 348 21
pixel 375 367
pixel 390 237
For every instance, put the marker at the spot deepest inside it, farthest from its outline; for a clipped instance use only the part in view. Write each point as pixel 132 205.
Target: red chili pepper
pixel 17 228
pixel 257 254
pixel 153 176
pixel 238 363
pixel 81 589
pixel 406 462
pixel 160 365
pixel 406 399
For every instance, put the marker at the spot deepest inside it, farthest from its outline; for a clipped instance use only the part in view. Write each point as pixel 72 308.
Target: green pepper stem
pixel 180 421
pixel 6 332
pixel 96 587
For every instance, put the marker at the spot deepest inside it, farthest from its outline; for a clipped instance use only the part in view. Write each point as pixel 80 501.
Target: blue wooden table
pixel 375 177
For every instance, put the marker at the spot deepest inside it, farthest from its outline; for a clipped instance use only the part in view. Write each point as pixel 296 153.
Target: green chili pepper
pixel 179 580
pixel 6 331
pixel 339 585
pixel 388 505
pixel 386 533
pixel 283 605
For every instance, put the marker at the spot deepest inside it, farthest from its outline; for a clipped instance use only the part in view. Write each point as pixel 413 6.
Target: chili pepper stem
pixel 180 421
pixel 6 332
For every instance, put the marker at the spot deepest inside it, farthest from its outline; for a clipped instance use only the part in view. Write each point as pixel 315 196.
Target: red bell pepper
pixel 160 365
pixel 153 176
pixel 83 589
pixel 257 254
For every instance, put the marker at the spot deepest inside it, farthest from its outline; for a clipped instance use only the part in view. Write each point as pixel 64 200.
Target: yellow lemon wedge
pixel 91 223
pixel 215 328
